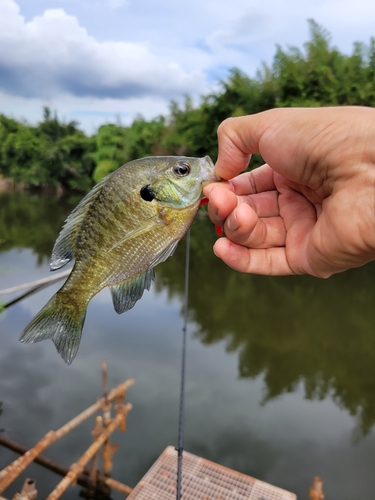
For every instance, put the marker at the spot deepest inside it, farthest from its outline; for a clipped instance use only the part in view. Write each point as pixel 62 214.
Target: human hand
pixel 311 208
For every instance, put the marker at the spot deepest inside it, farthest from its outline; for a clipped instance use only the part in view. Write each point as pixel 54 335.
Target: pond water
pixel 280 371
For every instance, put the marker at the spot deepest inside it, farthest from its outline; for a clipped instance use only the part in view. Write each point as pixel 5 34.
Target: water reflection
pixel 300 337
pixel 291 329
pixel 32 220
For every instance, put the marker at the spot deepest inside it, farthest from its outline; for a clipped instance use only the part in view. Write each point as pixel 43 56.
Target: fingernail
pixel 232 222
pixel 213 210
pixel 207 190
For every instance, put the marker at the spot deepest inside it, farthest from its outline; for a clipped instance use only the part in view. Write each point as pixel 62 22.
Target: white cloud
pixel 96 59
pixel 53 54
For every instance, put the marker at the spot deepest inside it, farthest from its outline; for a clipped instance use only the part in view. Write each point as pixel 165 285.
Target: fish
pixel 126 225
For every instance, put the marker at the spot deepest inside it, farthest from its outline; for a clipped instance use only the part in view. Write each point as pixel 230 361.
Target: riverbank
pixel 7 185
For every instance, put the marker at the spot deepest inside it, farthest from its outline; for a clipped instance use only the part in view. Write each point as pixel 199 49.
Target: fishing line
pixel 181 420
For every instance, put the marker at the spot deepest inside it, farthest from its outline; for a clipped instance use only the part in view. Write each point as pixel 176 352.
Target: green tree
pixel 109 153
pixel 66 153
pixel 116 145
pixel 322 76
pixel 50 154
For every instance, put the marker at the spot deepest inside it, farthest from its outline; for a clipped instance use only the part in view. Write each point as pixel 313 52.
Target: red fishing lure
pixel 218 229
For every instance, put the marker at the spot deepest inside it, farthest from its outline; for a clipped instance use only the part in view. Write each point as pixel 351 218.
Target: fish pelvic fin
pixel 126 293
pixel 59 323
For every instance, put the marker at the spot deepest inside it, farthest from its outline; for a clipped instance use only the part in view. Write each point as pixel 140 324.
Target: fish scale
pixel 130 222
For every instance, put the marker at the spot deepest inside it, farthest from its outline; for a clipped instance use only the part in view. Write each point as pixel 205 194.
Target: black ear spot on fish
pixel 147 193
pixel 181 169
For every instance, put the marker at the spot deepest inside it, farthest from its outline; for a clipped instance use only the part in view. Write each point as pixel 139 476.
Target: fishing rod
pixel 181 421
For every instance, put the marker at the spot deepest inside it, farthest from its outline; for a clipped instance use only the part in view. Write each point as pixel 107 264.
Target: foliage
pixel 108 156
pixel 50 154
pixel 116 145
pixel 58 154
pixel 322 76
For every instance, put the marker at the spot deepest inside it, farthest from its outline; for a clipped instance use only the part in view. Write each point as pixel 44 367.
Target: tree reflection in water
pixel 292 330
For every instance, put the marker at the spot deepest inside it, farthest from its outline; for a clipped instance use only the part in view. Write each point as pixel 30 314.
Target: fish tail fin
pixel 59 323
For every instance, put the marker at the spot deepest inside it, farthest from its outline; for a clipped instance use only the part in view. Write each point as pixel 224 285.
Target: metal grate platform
pixel 201 480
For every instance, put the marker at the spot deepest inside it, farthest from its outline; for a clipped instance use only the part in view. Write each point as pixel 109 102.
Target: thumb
pixel 238 138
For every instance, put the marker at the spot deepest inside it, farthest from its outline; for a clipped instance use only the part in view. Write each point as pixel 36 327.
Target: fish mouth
pixel 209 174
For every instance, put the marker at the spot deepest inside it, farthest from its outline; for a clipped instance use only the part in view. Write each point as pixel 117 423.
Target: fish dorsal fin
pixel 126 293
pixel 63 250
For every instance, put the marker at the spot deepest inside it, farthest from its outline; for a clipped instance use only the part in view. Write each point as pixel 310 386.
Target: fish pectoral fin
pixel 143 228
pixel 162 256
pixel 62 253
pixel 126 293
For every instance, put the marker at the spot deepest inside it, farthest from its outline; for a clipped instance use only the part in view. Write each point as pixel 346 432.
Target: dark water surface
pixel 280 371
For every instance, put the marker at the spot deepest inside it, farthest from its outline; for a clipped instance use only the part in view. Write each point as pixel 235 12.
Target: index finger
pixel 238 139
pixel 256 181
pixel 296 142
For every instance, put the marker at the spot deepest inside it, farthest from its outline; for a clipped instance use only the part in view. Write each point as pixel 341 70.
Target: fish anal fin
pixel 126 293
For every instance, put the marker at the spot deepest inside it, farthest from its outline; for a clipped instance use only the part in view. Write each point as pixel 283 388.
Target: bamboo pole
pixel 13 470
pixel 41 460
pixel 316 490
pixel 24 295
pixel 116 485
pixel 94 471
pixel 83 479
pixel 28 492
pixel 32 284
pixel 78 467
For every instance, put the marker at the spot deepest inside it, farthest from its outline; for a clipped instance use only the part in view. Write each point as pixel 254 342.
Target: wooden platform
pixel 201 480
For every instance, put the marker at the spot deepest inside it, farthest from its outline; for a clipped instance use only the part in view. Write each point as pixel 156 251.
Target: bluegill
pixel 130 222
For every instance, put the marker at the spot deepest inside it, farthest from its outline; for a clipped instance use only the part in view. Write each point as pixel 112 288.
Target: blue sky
pixel 97 61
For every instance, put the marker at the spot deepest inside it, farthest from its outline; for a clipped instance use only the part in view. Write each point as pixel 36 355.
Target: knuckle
pixel 224 126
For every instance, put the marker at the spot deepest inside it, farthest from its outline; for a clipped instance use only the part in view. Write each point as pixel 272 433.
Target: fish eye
pixel 181 169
